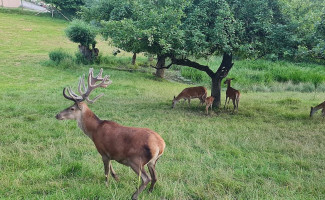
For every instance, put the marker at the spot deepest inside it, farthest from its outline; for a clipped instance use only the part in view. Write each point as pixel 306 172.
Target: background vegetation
pixel 270 149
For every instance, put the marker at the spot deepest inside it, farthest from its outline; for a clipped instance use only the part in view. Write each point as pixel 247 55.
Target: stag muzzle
pixel 58 117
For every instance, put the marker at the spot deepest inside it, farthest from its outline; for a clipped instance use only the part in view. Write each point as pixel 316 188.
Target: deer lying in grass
pixel 208 103
pixel 232 94
pixel 316 108
pixel 130 146
pixel 191 93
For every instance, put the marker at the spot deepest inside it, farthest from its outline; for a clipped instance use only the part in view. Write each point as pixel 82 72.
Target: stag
pixel 191 93
pixel 208 103
pixel 130 146
pixel 232 94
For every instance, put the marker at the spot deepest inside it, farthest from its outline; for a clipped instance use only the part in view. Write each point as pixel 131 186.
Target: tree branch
pixel 188 63
pixel 225 65
pixel 165 67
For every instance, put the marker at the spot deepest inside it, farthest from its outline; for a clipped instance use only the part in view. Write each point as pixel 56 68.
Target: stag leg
pixel 323 112
pixel 225 103
pixel 189 101
pixel 139 170
pixel 234 103
pixel 202 100
pixel 108 168
pixel 237 101
pixel 114 175
pixel 228 103
pixel 106 162
pixel 153 174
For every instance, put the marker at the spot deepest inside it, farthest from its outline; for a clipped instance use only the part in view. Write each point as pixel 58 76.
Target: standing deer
pixel 191 93
pixel 232 94
pixel 316 108
pixel 130 146
pixel 208 103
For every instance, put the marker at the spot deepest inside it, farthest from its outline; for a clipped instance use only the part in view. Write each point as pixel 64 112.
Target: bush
pixel 80 59
pixel 58 55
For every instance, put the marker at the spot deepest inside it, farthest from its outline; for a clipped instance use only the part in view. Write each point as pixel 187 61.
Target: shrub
pixel 80 59
pixel 58 55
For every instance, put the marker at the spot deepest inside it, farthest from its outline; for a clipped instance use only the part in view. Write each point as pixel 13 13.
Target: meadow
pixel 270 149
pixel 265 76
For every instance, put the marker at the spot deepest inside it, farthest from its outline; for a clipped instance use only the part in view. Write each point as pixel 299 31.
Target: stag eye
pixel 72 109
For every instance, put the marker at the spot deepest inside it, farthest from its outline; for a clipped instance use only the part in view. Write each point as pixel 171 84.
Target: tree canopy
pixel 69 7
pixel 185 30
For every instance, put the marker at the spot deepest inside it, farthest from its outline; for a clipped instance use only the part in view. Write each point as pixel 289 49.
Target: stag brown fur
pixel 130 146
pixel 191 93
pixel 208 103
pixel 232 94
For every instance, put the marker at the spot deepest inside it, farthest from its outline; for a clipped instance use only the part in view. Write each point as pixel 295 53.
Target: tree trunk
pixel 216 91
pixel 85 51
pixel 221 73
pixel 160 71
pixel 216 77
pixel 134 57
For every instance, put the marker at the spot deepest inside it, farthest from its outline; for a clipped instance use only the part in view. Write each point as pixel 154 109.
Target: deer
pixel 232 94
pixel 130 146
pixel 316 108
pixel 208 103
pixel 191 93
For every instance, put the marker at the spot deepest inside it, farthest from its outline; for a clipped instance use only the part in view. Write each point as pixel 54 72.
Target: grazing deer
pixel 316 108
pixel 232 94
pixel 208 103
pixel 130 146
pixel 191 93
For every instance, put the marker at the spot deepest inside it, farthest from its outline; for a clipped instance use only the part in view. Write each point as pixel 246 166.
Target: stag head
pixel 75 110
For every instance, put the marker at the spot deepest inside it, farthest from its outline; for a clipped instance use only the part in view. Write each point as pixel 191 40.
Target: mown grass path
pixel 270 149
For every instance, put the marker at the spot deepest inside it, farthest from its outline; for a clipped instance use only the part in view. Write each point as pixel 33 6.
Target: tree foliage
pixel 69 7
pixel 81 32
pixel 182 30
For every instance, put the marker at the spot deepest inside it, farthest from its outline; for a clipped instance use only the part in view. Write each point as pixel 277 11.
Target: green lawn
pixel 270 149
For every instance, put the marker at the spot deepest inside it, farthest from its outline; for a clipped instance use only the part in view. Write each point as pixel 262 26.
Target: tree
pixel 69 7
pixel 306 18
pixel 185 30
pixel 246 28
pixel 140 26
pixel 80 32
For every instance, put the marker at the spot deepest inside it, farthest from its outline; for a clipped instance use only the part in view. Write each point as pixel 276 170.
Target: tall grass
pixel 270 149
pixel 265 75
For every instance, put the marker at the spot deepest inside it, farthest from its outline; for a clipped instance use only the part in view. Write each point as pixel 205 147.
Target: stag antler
pixel 87 90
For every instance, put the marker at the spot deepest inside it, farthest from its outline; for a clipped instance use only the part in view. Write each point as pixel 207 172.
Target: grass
pixel 263 75
pixel 270 149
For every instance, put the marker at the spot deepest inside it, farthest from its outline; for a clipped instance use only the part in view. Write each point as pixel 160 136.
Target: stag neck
pixel 179 97
pixel 322 105
pixel 88 121
pixel 228 84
